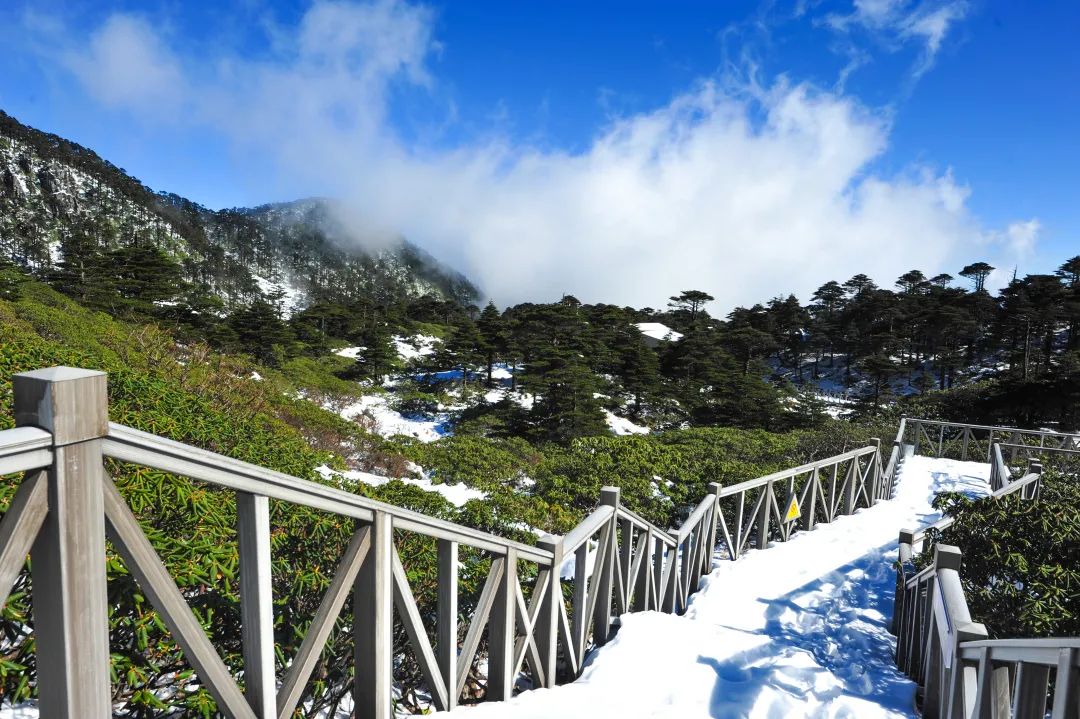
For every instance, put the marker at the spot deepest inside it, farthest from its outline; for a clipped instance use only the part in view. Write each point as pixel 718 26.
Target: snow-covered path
pixel 798 630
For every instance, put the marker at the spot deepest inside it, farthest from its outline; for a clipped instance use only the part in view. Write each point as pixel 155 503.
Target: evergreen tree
pixel 639 368
pixel 495 334
pixel 261 333
pixel 977 272
pixel 378 355
pixel 463 351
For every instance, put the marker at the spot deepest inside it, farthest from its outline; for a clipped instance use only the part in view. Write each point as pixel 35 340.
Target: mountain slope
pixel 54 194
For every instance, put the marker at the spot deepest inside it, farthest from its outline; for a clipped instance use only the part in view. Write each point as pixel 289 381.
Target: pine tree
pixel 639 368
pixel 496 337
pixel 464 350
pixel 261 333
pixel 378 355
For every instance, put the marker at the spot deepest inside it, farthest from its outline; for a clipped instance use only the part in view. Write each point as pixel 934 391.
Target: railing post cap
pixel 551 543
pixel 714 487
pixel 946 556
pixel 69 402
pixel 907 536
pixel 609 495
pixel 970 632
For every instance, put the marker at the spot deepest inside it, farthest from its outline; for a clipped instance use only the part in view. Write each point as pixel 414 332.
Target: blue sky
pixel 939 132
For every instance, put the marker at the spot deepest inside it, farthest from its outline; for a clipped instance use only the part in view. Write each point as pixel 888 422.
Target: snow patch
pixel 622 426
pixel 389 422
pixel 659 332
pixel 457 494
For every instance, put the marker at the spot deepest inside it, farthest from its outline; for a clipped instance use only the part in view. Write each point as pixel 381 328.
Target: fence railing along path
pixel 67 506
pixel 961 672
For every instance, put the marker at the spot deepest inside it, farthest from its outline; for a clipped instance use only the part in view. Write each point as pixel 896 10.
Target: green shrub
pixel 1021 558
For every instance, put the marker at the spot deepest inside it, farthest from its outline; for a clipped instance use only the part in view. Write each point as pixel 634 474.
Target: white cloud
pixel 741 190
pixel 896 22
pixel 125 63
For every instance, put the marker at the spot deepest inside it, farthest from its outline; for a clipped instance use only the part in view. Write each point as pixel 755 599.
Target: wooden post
pixel 71 620
pixel 256 603
pixel 605 584
pixel 875 484
pixel 642 590
pixel 626 555
pixel 763 517
pixel 501 632
pixel 447 628
pixel 714 522
pixel 547 621
pixel 373 625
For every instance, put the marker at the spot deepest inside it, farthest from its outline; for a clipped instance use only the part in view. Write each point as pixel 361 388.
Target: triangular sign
pixel 793 511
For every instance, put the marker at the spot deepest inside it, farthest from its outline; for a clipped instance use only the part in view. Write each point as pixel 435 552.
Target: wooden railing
pixel 67 507
pixel 960 671
pixel 755 512
pixel 974 442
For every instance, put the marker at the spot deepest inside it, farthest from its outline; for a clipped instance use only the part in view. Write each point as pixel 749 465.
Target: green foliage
pixel 1021 558
pixel 208 401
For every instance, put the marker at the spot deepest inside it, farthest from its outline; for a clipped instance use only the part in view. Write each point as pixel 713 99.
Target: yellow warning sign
pixel 793 511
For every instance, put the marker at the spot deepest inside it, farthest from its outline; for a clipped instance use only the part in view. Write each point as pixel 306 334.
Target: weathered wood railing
pixel 67 507
pixel 752 512
pixel 974 442
pixel 960 671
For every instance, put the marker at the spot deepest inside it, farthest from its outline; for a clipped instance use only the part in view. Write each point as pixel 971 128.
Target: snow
pixel 28 710
pixel 416 346
pixel 255 376
pixel 658 331
pixel 622 426
pixel 349 352
pixel 457 494
pixel 292 298
pixel 389 422
pixel 797 630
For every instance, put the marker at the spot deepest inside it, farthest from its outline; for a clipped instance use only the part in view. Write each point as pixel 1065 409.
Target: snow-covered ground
pixel 658 332
pixel 389 422
pixel 623 426
pixel 457 494
pixel 797 630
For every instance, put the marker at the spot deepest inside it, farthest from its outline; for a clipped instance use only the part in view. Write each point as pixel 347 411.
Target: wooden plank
pixel 547 623
pixel 527 616
pixel 606 588
pixel 292 687
pixel 154 580
pixel 447 610
pixel 638 581
pixel 598 592
pixel 626 551
pixel 414 629
pixel 479 621
pixel 256 603
pixel 19 528
pixel 1030 693
pixel 501 627
pixel 1067 685
pixel 373 625
pixel 568 641
pixel 130 445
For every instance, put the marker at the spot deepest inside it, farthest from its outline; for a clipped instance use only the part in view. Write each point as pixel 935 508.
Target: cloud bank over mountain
pixel 741 189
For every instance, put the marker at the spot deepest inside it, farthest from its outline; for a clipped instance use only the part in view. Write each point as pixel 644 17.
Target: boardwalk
pixel 797 631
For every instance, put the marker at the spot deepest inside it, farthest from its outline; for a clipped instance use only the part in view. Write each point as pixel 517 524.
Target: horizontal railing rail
pixel 974 442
